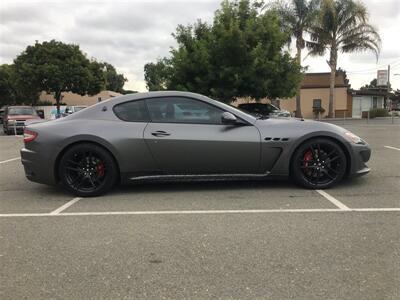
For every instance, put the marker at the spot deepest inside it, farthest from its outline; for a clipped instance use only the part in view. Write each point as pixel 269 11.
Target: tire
pixel 87 170
pixel 318 164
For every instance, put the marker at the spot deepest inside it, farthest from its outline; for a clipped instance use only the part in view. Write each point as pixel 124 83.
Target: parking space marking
pixel 333 200
pixel 202 212
pixel 65 206
pixel 393 148
pixel 9 160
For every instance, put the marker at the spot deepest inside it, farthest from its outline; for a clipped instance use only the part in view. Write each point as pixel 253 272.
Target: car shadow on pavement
pixel 198 186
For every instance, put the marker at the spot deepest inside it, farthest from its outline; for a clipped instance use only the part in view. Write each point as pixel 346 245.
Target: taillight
pixel 29 135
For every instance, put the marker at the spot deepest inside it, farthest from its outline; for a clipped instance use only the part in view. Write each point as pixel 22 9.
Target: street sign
pixel 382 78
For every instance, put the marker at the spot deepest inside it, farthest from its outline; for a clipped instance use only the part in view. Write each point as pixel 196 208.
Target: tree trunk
pixel 332 64
pixel 298 98
pixel 58 99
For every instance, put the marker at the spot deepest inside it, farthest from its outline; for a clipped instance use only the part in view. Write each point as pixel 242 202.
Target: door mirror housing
pixel 228 118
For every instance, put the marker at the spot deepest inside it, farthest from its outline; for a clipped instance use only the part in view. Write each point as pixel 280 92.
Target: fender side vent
pixel 268 139
pixel 276 139
pixel 285 139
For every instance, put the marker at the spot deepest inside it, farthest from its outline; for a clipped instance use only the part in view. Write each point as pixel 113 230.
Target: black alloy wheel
pixel 87 170
pixel 319 163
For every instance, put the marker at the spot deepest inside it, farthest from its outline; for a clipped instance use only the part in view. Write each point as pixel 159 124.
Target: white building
pixel 364 100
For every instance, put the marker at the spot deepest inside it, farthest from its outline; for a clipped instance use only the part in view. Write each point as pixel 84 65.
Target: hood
pixel 22 117
pixel 295 125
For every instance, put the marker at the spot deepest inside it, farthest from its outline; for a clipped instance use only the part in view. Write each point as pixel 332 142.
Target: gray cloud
pixel 129 34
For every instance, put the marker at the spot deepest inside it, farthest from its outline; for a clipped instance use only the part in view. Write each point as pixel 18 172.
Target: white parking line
pixel 333 200
pixel 393 148
pixel 203 212
pixel 65 206
pixel 8 160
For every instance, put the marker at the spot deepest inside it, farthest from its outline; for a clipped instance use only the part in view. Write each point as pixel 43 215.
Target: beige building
pixel 315 93
pixel 75 99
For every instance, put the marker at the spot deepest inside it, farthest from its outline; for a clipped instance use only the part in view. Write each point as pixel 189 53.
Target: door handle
pixel 160 133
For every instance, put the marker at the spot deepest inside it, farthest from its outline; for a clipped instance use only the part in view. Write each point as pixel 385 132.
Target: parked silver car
pixel 178 135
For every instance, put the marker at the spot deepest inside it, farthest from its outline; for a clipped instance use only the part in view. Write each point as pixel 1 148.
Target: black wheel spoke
pixel 327 174
pixel 91 181
pixel 73 162
pixel 333 159
pixel 332 170
pixel 73 169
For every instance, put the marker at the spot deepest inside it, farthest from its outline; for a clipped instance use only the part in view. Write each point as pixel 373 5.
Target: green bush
pixel 378 112
pixel 44 103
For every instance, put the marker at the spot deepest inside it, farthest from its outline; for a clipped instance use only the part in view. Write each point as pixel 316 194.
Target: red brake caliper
pixel 100 169
pixel 308 156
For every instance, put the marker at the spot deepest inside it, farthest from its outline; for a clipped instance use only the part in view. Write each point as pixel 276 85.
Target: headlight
pixel 354 138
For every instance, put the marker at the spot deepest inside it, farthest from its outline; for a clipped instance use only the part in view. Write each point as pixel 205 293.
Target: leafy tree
pixel 372 84
pixel 114 81
pixel 56 67
pixel 156 75
pixel 240 54
pixel 7 85
pixel 297 16
pixel 14 91
pixel 342 25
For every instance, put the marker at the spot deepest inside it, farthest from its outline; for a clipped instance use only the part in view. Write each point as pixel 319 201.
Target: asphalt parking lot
pixel 225 240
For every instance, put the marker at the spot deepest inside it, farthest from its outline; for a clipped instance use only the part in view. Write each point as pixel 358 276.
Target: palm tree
pixel 342 25
pixel 297 17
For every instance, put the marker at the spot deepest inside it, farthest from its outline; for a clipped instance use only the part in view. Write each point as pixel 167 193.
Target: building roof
pixel 322 80
pixel 369 92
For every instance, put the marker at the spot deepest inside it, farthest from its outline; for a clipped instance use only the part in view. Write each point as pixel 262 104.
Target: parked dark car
pixel 181 136
pixel 16 117
pixel 263 110
pixel 1 115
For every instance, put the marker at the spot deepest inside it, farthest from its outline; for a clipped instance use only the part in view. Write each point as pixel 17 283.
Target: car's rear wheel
pixel 318 164
pixel 87 170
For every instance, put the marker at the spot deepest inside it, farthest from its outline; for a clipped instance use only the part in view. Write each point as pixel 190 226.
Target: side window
pixel 182 110
pixel 133 111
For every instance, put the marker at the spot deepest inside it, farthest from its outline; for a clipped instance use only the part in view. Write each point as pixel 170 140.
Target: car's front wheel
pixel 87 170
pixel 318 164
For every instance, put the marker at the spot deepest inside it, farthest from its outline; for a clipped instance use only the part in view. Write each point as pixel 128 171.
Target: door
pixel 357 112
pixel 186 136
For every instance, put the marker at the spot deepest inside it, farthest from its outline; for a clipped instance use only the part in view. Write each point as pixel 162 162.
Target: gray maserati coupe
pixel 181 136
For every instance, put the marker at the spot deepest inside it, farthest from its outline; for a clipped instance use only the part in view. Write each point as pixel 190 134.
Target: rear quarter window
pixel 133 111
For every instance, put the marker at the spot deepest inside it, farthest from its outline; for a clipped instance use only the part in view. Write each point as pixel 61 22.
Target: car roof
pixel 19 106
pixel 111 102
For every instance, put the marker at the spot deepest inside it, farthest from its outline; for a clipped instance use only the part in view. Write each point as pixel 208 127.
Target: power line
pixel 395 63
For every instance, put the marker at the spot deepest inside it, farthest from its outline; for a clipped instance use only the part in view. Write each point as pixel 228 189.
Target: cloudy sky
pixel 128 34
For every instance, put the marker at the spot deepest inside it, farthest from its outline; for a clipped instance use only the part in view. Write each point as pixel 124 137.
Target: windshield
pixel 14 111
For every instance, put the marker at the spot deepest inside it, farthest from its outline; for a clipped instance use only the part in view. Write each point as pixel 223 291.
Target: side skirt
pixel 202 177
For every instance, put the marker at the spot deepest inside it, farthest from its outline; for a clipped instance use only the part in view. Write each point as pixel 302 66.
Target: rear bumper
pixel 37 168
pixel 18 128
pixel 360 156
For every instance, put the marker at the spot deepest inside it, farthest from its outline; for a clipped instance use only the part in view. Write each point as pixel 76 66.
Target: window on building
pixel 317 103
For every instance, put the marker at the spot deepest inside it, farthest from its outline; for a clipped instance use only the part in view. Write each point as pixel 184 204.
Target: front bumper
pixel 359 157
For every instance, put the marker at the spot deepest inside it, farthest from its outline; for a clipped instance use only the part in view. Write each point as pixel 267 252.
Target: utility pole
pixel 388 88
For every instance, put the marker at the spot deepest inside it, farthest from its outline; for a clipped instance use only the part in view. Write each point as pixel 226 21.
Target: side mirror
pixel 228 119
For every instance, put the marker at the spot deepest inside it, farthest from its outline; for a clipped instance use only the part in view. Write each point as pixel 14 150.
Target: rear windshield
pixel 14 111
